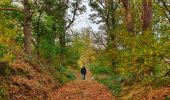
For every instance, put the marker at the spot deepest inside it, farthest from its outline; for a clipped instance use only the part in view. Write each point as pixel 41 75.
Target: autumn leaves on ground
pixel 39 85
pixel 125 44
pixel 26 81
pixel 82 90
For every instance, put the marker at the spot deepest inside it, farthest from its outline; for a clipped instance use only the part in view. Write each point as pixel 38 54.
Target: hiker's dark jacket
pixel 83 70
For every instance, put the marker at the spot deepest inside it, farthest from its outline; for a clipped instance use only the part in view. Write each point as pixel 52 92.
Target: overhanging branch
pixel 74 15
pixel 11 9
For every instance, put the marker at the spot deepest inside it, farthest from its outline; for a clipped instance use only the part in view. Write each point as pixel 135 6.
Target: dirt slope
pixel 24 81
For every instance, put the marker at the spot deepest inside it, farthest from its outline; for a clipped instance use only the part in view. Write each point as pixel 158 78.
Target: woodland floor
pixel 79 89
pixel 28 82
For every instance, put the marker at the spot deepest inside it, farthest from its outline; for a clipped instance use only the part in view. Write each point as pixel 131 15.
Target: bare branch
pixel 167 16
pixel 166 7
pixel 166 74
pixel 99 40
pixel 74 15
pixel 11 9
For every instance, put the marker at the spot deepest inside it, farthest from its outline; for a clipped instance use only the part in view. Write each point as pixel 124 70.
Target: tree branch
pixel 166 74
pixel 74 15
pixel 166 7
pixel 11 9
pixel 99 40
pixel 167 16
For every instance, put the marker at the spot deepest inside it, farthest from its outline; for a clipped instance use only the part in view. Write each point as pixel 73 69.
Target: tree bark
pixel 147 14
pixel 27 27
pixel 62 45
pixel 130 28
pixel 128 16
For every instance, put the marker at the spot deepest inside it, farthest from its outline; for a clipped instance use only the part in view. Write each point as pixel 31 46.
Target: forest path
pixel 82 90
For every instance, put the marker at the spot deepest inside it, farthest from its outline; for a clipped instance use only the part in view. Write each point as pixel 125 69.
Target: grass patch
pixel 162 82
pixel 113 86
pixel 105 76
pixel 100 69
pixel 63 75
pixel 70 75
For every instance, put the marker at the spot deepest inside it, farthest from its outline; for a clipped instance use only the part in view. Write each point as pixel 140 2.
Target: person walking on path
pixel 83 72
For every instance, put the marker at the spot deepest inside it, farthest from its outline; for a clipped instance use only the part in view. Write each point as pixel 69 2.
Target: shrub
pixel 63 75
pixel 6 70
pixel 161 82
pixel 3 51
pixel 100 70
pixel 114 87
pixel 61 69
pixel 112 81
pixel 3 94
pixel 167 98
pixel 70 75
pixel 5 55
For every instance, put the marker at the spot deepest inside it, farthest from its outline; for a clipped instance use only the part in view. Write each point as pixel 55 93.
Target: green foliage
pixel 19 39
pixel 3 51
pixel 47 49
pixel 44 35
pixel 6 70
pixel 126 57
pixel 63 75
pixel 167 98
pixel 72 56
pixel 61 69
pixel 113 86
pixel 147 80
pixel 161 82
pixel 108 78
pixel 3 94
pixel 100 69
pixel 70 75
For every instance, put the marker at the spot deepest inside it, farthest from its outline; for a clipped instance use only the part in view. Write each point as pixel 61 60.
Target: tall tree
pixel 130 28
pixel 105 9
pixel 63 20
pixel 128 16
pixel 147 14
pixel 105 15
pixel 27 27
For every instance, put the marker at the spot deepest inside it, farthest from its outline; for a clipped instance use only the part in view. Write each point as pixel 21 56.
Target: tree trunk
pixel 27 27
pixel 62 45
pixel 130 28
pixel 110 23
pixel 128 16
pixel 147 14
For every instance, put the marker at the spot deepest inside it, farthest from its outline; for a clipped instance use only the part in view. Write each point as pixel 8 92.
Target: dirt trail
pixel 82 90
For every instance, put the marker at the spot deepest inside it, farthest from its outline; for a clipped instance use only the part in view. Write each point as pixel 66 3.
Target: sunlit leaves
pixel 4 2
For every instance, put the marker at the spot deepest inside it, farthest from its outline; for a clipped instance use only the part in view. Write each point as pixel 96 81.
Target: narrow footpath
pixel 79 89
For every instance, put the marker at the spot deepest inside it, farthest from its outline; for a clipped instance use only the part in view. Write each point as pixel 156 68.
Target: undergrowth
pixel 105 76
pixel 63 75
pixel 116 82
pixel 3 94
